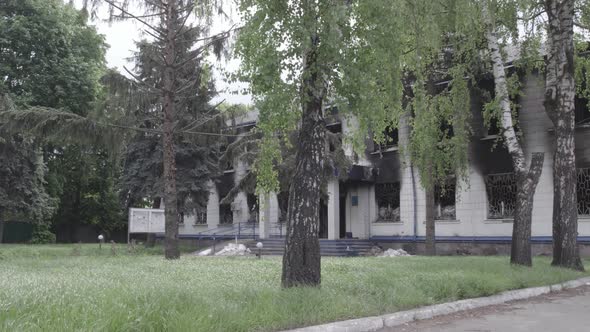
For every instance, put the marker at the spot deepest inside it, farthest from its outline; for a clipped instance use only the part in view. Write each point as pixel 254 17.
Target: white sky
pixel 121 37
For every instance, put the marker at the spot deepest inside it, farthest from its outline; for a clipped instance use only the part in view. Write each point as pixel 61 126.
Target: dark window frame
pixel 388 199
pixel 500 196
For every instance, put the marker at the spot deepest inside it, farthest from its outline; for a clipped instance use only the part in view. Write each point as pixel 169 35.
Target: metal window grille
pixel 583 191
pixel 201 217
pixel 388 201
pixel 501 194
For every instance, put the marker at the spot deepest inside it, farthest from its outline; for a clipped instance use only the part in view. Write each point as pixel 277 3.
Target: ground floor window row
pixel 500 197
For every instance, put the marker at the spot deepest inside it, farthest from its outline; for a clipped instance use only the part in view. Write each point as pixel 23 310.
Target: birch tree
pixel 553 21
pixel 560 92
pixel 291 52
pixel 527 178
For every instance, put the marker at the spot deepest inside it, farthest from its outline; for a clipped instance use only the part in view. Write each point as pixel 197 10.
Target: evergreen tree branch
pixel 135 17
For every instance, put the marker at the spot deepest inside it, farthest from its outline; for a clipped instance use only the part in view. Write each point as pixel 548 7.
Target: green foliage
pixel 582 70
pixel 281 165
pixel 52 71
pixel 440 132
pixel 42 235
pixel 196 155
pixel 22 183
pixel 273 44
pixel 55 59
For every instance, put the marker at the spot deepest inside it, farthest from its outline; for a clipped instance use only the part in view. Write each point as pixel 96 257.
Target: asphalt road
pixel 563 312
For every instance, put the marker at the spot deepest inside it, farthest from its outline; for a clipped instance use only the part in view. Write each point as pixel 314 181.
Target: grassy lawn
pixel 53 288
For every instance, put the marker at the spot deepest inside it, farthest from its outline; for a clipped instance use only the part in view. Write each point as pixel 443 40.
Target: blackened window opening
pixel 252 207
pixel 445 201
pixel 582 113
pixel 226 215
pixel 583 192
pixel 201 216
pixel 283 200
pixel 501 195
pixel 387 196
pixel 391 135
pixel 488 93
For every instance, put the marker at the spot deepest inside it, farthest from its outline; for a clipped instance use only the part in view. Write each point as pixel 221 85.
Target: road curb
pixel 403 317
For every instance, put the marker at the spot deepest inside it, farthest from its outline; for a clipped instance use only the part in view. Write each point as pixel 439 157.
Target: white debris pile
pixel 233 249
pixel 205 252
pixel 394 253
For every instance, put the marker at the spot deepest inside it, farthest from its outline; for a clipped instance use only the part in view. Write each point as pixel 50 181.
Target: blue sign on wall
pixel 355 200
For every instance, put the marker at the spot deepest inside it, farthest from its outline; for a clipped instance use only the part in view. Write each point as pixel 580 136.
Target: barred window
pixel 444 201
pixel 583 191
pixel 387 196
pixel 501 195
pixel 201 217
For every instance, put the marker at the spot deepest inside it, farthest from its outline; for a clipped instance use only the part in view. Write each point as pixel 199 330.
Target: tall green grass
pixel 139 292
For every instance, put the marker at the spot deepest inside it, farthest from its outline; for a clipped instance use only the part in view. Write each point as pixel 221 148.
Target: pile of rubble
pixel 232 249
pixel 394 253
pixel 378 252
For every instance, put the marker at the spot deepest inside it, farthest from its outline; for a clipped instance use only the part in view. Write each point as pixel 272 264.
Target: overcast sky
pixel 121 37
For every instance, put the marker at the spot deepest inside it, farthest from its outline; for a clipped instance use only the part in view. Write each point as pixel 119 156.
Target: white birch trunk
pixel 559 104
pixel 527 179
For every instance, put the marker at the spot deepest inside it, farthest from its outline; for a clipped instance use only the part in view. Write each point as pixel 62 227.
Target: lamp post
pixel 259 245
pixel 100 241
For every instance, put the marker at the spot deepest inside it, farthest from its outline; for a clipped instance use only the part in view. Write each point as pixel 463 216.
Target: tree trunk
pixel 526 184
pixel 526 179
pixel 302 261
pixel 171 250
pixel 430 244
pixel 560 91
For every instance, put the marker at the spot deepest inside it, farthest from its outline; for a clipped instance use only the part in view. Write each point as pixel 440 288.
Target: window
pixel 486 88
pixel 391 140
pixel 583 192
pixel 283 200
pixel 582 113
pixel 501 194
pixel 444 201
pixel 252 201
pixel 387 196
pixel 201 216
pixel 226 215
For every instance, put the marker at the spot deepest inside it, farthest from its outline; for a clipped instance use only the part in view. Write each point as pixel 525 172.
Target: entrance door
pixel 323 233
pixel 342 212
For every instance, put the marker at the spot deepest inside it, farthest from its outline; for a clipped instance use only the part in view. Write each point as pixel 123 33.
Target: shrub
pixel 42 235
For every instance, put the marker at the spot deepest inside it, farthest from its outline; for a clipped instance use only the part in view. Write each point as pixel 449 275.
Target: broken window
pixel 201 216
pixel 486 87
pixel 283 200
pixel 582 114
pixel 583 192
pixel 444 201
pixel 391 140
pixel 226 215
pixel 501 194
pixel 387 196
pixel 252 201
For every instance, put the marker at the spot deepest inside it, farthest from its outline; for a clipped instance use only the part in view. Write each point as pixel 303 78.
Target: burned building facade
pixel 382 198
